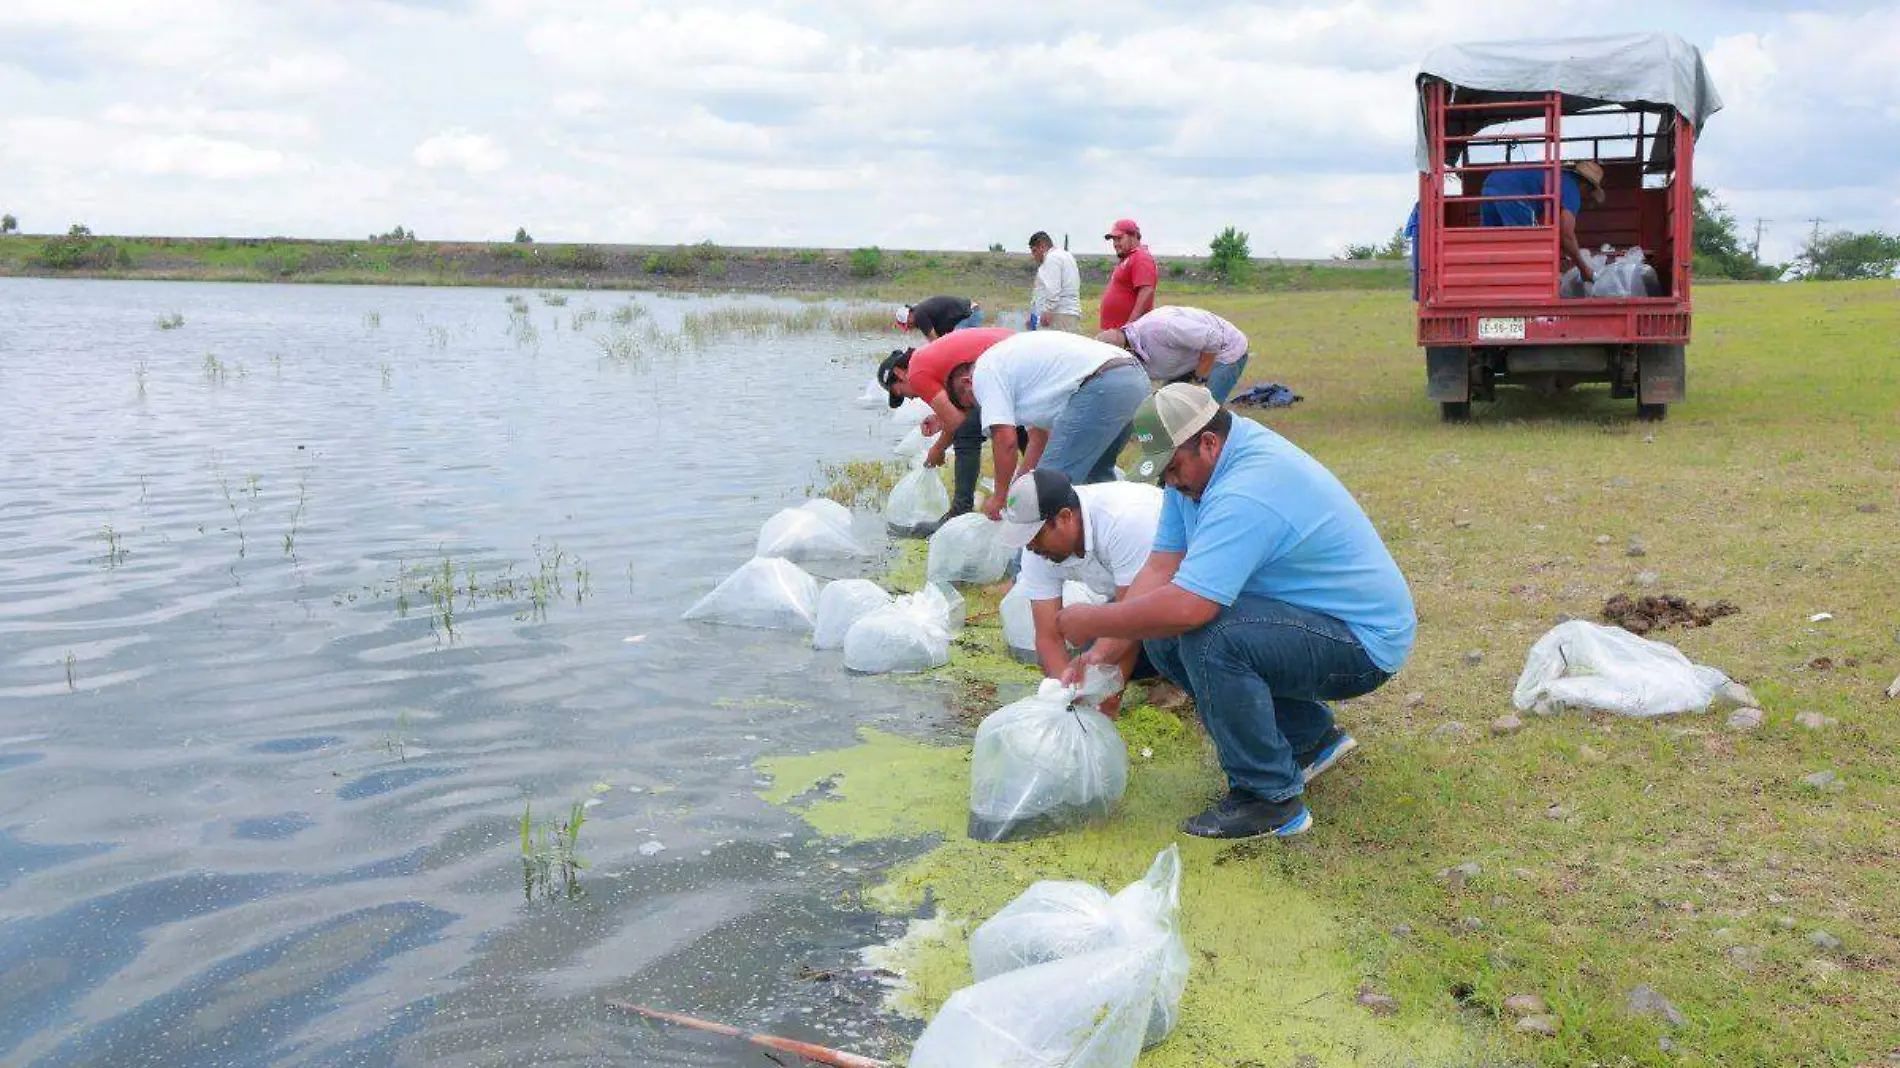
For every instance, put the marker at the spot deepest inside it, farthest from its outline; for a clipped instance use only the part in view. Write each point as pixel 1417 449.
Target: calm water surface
pixel 260 800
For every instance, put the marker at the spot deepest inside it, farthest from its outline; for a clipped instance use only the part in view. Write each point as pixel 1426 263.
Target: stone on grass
pixel 1461 524
pixel 1744 719
pixel 1645 1001
pixel 1603 539
pixel 1646 579
pixel 1474 657
pixel 1786 923
pixel 1455 731
pixel 1458 874
pixel 1813 721
pixel 1867 509
pixel 1735 695
pixel 1471 924
pixel 1557 812
pixel 1508 723
pixel 1823 940
pixel 1414 700
pixel 1402 930
pixel 1376 1003
pixel 1636 548
pixel 1538 1025
pixel 1525 1005
pixel 1824 781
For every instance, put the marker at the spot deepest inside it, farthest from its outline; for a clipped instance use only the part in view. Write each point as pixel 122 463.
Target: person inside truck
pixel 1578 176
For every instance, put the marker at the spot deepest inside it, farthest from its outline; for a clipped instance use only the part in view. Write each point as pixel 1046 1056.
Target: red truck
pixel 1494 305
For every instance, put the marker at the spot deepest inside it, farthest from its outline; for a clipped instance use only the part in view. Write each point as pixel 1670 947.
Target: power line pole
pixel 1815 236
pixel 1756 253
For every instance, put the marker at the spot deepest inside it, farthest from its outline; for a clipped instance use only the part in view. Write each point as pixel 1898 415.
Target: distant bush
pixel 521 236
pixel 1359 252
pixel 678 260
pixel 9 224
pixel 1176 270
pixel 996 246
pixel 582 258
pixel 806 255
pixel 707 252
pixel 282 264
pixel 78 249
pixel 1229 257
pixel 866 262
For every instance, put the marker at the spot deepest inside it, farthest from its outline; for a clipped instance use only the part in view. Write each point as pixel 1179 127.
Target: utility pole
pixel 1756 252
pixel 1815 236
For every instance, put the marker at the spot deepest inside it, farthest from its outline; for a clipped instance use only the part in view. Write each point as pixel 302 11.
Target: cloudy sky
pixel 902 123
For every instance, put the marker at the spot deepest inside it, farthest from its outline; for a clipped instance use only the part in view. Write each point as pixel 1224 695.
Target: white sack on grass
pixel 911 413
pixel 917 501
pixel 814 530
pixel 959 608
pixel 912 634
pixel 841 604
pixel 1019 619
pixel 1586 665
pixel 1088 1011
pixel 968 549
pixel 1055 920
pixel 766 592
pixel 1048 762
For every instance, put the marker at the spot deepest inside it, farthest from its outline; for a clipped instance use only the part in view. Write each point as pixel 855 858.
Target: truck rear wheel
pixel 1652 413
pixel 1455 411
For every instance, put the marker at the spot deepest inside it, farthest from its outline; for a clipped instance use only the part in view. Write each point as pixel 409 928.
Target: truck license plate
pixel 1501 329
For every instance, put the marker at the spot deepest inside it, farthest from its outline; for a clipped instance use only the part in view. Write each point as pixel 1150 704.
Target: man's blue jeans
pixel 1223 377
pixel 1258 674
pixel 1095 424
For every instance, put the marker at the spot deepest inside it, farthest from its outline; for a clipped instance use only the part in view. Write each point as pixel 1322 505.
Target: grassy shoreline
pixel 885 273
pixel 1599 855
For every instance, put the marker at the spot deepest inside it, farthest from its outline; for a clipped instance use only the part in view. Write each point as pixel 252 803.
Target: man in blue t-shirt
pixel 1268 592
pixel 1535 181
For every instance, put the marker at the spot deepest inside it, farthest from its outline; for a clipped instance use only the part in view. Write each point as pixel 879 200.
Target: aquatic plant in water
pixel 170 322
pixel 551 850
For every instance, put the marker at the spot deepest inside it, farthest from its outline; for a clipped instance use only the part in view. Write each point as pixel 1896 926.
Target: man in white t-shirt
pixel 1073 395
pixel 1097 535
pixel 1055 303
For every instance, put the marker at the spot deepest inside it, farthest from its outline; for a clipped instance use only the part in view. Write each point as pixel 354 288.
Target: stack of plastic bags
pixel 917 503
pixel 768 592
pixel 1067 975
pixel 1587 665
pixel 908 635
pixel 1056 920
pixel 968 549
pixel 1019 619
pixel 1048 762
pixel 814 530
pixel 1628 275
pixel 841 604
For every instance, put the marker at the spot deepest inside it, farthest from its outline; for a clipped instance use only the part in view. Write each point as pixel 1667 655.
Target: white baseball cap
pixel 1034 499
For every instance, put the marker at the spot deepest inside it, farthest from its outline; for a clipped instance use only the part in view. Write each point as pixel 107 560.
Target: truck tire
pixel 1455 411
pixel 1652 413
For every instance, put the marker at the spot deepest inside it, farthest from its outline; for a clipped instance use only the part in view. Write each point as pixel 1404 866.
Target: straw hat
pixel 1591 171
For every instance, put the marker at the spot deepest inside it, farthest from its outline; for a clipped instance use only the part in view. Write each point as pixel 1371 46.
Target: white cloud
pixel 197 157
pixel 459 149
pixel 293 75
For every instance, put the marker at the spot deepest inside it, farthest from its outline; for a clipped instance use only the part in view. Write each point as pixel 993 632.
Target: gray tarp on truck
pixel 1628 68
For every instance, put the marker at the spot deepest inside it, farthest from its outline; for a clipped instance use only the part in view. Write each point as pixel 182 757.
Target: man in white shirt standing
pixel 1056 301
pixel 1097 535
pixel 1186 345
pixel 1073 395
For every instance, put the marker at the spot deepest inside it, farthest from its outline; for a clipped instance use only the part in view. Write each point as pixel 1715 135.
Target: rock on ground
pixel 1744 719
pixel 1538 1025
pixel 1376 1003
pixel 1455 731
pixel 1823 940
pixel 1827 781
pixel 1645 1001
pixel 1508 723
pixel 1813 721
pixel 1525 1005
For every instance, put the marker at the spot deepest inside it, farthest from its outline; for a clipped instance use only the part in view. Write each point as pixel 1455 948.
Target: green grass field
pixel 1679 854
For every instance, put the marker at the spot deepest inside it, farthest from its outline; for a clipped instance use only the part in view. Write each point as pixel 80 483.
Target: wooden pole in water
pixel 818 1054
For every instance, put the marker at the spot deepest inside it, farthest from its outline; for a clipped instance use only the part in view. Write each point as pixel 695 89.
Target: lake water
pixel 260 797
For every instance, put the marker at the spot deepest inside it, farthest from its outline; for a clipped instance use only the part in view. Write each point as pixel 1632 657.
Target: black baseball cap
pixel 887 373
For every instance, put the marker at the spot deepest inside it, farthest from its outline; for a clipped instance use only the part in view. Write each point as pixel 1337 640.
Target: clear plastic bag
pixel 967 549
pixel 814 530
pixel 914 445
pixel 767 592
pixel 1019 620
pixel 911 634
pixel 959 608
pixel 910 413
pixel 1622 276
pixel 842 603
pixel 1055 920
pixel 1087 1011
pixel 917 503
pixel 1587 665
pixel 1048 762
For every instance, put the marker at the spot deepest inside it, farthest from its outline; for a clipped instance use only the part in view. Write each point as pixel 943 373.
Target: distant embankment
pixel 864 271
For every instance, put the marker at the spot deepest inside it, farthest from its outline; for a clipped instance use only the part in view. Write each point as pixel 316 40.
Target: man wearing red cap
pixel 1131 289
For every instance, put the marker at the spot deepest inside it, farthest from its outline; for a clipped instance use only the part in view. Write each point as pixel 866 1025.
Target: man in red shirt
pixel 1131 289
pixel 921 373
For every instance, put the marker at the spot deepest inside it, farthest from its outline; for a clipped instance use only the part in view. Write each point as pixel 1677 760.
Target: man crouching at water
pixel 1268 593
